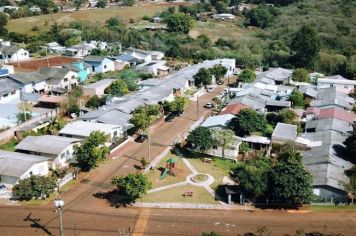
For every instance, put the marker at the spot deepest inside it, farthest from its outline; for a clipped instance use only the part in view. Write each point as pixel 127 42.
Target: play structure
pixel 170 168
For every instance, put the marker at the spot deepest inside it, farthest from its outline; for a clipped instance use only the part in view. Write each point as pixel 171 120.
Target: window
pixel 73 77
pixel 25 54
pixel 93 68
pixel 5 95
pixel 9 56
pixel 105 66
pixel 65 79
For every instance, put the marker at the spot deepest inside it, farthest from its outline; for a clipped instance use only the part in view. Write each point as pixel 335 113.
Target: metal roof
pixel 28 77
pixel 7 86
pixel 219 120
pixel 285 131
pixel 47 144
pixel 100 83
pixel 16 164
pixel 83 129
pixel 54 72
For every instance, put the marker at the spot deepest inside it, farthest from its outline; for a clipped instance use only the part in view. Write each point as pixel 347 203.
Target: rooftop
pixel 7 86
pixel 54 72
pixel 16 164
pixel 83 129
pixel 100 83
pixel 28 77
pixel 48 144
pixel 219 120
pixel 285 131
pixel 233 108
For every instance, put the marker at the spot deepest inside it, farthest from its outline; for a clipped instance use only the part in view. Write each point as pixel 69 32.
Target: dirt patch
pixel 35 64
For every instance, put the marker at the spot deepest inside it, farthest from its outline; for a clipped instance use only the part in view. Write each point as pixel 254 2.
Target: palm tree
pixel 54 126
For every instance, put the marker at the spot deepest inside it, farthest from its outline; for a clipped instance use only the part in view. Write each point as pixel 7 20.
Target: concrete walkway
pixel 187 163
pixel 167 187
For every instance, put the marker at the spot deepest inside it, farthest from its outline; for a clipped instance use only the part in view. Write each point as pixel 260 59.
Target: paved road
pixel 89 211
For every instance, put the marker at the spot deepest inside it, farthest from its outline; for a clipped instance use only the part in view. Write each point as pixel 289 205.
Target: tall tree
pixel 223 138
pixel 201 138
pixel 180 23
pixel 92 151
pixel 306 47
pixel 289 181
pixel 252 176
pixel 203 77
pixel 35 186
pixel 117 88
pixel 247 76
pixel 300 75
pixel 219 71
pixel 248 121
pixel 132 186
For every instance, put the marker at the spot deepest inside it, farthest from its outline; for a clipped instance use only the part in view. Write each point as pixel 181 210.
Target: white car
pixel 209 105
pixel 210 88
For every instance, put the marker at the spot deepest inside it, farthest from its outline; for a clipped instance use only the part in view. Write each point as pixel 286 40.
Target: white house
pixel 80 50
pixel 219 121
pixel 59 78
pixel 144 55
pixel 55 47
pixel 99 64
pixel 15 166
pixel 341 84
pixel 154 67
pixel 58 149
pixel 32 82
pixel 9 90
pixel 10 53
pixel 82 130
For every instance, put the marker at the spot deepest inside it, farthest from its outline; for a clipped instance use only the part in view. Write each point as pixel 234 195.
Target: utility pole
pixel 58 203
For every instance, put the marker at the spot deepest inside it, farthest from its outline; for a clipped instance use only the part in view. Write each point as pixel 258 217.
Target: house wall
pixel 21 55
pixel 10 96
pixel 62 159
pixel 83 73
pixel 339 87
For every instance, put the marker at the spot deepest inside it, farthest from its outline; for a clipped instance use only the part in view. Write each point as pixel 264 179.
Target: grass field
pixel 181 173
pixel 200 195
pixel 24 25
pixel 9 146
pixel 328 208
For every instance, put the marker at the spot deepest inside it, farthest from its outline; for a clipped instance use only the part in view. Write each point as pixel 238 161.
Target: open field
pixel 181 173
pixel 24 25
pixel 35 64
pixel 200 195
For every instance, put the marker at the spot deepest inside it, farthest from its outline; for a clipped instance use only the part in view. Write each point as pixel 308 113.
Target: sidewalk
pixel 181 205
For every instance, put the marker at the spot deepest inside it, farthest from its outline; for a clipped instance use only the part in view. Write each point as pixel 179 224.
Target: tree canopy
pixel 180 23
pixel 201 138
pixel 117 88
pixel 247 76
pixel 300 75
pixel 203 77
pixel 35 186
pixel 176 106
pixel 219 71
pixel 132 186
pixel 248 121
pixel 223 138
pixel 289 181
pixel 297 99
pixel 92 151
pixel 306 47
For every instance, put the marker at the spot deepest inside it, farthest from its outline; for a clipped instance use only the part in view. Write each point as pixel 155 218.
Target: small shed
pixel 284 133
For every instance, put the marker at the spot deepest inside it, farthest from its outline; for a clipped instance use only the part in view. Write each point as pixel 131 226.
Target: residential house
pixel 9 90
pixel 314 113
pixel 32 82
pixel 326 164
pixel 125 60
pixel 99 64
pixel 328 124
pixel 233 109
pixel 55 47
pixel 82 130
pixel 284 133
pixel 277 105
pixel 278 75
pixel 79 50
pixel 82 69
pixel 224 16
pixel 330 97
pixel 15 166
pixel 6 70
pixel 158 68
pixel 341 84
pixel 219 121
pixel 144 55
pixel 97 88
pixel 58 149
pixel 60 80
pixel 10 53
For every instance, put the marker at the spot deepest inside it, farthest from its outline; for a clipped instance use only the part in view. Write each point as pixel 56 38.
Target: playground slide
pixel 165 173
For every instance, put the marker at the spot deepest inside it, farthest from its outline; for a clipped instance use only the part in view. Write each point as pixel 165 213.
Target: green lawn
pixel 200 195
pixel 9 146
pixel 181 173
pixel 218 168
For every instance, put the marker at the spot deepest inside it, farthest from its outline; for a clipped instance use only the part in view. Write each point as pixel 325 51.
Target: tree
pixel 287 116
pixel 297 99
pixel 306 47
pixel 252 176
pixel 92 151
pixel 180 23
pixel 223 138
pixel 247 76
pixel 260 16
pixel 248 121
pixel 101 4
pixel 350 142
pixel 203 77
pixel 54 126
pixel 3 23
pixel 23 116
pixel 132 186
pixel 96 102
pixel 77 4
pixel 129 2
pixel 140 120
pixel 218 71
pixel 117 88
pixel 221 7
pixel 350 186
pixel 201 138
pixel 289 181
pixel 244 148
pixel 35 186
pixel 300 75
pixel 73 108
pixel 176 106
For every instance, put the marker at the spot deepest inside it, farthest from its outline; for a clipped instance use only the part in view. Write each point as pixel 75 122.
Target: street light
pixel 58 203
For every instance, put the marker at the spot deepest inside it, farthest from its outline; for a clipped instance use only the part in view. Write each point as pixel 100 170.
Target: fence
pixel 8 134
pixel 68 177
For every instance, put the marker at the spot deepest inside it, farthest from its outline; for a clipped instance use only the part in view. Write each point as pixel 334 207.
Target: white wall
pixel 10 97
pixel 21 55
pixel 62 159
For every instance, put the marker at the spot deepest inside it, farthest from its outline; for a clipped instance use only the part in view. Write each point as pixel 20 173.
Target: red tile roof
pixel 233 108
pixel 337 113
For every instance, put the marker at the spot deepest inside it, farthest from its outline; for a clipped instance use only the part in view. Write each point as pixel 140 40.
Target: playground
pixel 180 179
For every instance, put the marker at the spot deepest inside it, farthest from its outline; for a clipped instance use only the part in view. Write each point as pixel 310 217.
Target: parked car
pixel 2 188
pixel 210 88
pixel 141 138
pixel 209 105
pixel 170 117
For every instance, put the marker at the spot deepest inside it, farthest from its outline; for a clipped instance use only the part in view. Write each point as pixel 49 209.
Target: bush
pixel 35 187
